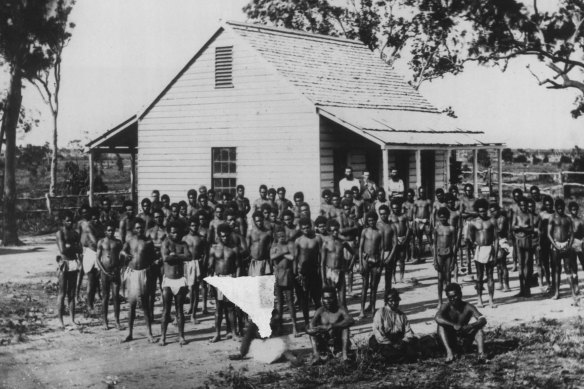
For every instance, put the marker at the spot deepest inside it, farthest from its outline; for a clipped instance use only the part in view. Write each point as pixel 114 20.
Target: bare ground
pixel 34 353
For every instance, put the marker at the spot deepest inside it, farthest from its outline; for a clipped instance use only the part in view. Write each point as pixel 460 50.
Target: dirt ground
pixel 34 353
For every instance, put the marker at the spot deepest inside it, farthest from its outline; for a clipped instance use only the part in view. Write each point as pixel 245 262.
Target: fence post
pixel 48 199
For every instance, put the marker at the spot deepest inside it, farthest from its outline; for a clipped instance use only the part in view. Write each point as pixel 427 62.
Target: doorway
pixel 428 165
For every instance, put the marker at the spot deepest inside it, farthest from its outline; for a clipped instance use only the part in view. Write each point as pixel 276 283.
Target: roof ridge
pixel 295 32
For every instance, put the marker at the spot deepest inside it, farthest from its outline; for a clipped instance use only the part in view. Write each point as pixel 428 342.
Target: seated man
pixel 330 324
pixel 453 323
pixel 392 335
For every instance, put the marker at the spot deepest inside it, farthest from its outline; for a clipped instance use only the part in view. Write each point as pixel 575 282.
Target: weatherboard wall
pixel 272 126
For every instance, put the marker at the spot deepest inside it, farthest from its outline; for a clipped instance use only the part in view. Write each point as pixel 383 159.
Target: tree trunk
pixel 9 124
pixel 54 158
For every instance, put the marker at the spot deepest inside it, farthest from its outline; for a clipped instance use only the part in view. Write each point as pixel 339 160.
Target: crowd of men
pixel 171 247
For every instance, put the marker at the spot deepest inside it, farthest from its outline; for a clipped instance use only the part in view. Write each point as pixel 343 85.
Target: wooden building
pixel 262 105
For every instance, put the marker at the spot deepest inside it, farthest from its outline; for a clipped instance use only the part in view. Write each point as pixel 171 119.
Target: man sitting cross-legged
pixel 453 323
pixel 392 335
pixel 330 324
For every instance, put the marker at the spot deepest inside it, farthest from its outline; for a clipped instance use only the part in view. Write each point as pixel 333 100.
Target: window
pixel 224 170
pixel 224 67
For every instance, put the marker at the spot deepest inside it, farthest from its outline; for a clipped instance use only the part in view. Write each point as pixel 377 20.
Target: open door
pixel 402 164
pixel 428 165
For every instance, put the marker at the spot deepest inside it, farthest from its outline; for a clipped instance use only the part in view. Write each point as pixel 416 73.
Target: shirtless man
pixel 453 323
pixel 127 221
pixel 109 263
pixel 455 220
pixel 535 239
pixel 146 213
pixel 165 205
pixel 389 236
pixel 225 262
pixel 139 253
pixel 561 235
pixel 203 218
pixel 193 205
pixel 195 268
pixel 335 209
pixel 211 198
pixel 263 199
pixel 272 198
pixel 408 211
pixel 348 232
pixel 266 209
pixel 523 229
pixel 157 235
pixel 292 232
pixel 282 203
pixel 330 322
pixel 380 200
pixel 482 232
pixel 320 226
pixel 359 205
pixel 212 237
pixel 370 251
pixel 545 216
pixel 89 240
pixel 175 253
pixel 403 233
pixel 334 262
pixel 536 197
pixel 576 251
pixel 504 247
pixel 155 199
pixel 242 202
pixel 298 201
pixel 326 206
pixel 107 214
pixel 467 201
pixel 259 239
pixel 69 263
pixel 436 205
pixel 422 226
pixel 204 205
pixel 307 259
pixel 511 211
pixel 282 257
pixel 445 240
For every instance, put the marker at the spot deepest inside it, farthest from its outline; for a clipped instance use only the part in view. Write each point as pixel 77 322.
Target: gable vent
pixel 224 67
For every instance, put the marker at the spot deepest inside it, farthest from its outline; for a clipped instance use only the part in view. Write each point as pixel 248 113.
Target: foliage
pixel 564 159
pixel 521 158
pixel 535 160
pixel 438 37
pixel 484 158
pixel 507 155
pixel 76 180
pixel 34 158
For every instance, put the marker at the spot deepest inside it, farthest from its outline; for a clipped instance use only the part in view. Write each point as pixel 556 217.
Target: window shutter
pixel 224 67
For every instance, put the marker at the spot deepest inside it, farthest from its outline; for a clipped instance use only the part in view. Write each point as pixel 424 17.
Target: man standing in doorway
pixel 395 185
pixel 348 181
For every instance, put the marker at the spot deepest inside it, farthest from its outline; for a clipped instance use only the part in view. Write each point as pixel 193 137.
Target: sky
pixel 123 53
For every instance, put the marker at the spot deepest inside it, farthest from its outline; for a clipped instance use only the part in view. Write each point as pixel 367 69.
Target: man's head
pixel 183 208
pixel 366 175
pixel 265 209
pixel 329 298
pixel 288 218
pixel 371 219
pixel 174 231
pixel 517 194
pixel 443 215
pixel 440 195
pixel 129 208
pixel 110 230
pixel 203 201
pixel 348 194
pixel 530 206
pixel 67 217
pixel 272 194
pixel 422 192
pixel 410 194
pixel 304 210
pixel 192 196
pixel 560 206
pixel 281 193
pixel 349 173
pixel 393 174
pixel 218 211
pixel 381 194
pixel 481 206
pixel 396 207
pixel 106 204
pixel 202 217
pixel 193 224
pixel 223 231
pixel 573 207
pixel 453 293
pixel 522 203
pixel 450 201
pixel 453 190
pixel 263 191
pixel 320 224
pixel 356 192
pixel 230 218
pixel 392 299
pixel 336 200
pixel 304 224
pixel 347 204
pixel 139 227
pixel 240 190
pixel 469 190
pixel 158 216
pixel 548 203
pixel 155 196
pixel 202 190
pixel 333 227
pixel 298 198
pixel 165 199
pixel 211 195
pixel 280 234
pixel 494 210
pixel 327 196
pixel 84 211
pixel 174 209
pixel 258 219
pixel 384 213
pixel 146 205
pixel 535 194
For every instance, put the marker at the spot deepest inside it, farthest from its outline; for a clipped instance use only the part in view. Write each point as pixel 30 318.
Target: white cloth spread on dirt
pixel 268 350
pixel 89 257
pixel 254 295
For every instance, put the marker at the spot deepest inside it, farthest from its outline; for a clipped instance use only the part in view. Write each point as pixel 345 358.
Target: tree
pixel 27 30
pixel 483 158
pixel 48 79
pixel 507 155
pixel 440 36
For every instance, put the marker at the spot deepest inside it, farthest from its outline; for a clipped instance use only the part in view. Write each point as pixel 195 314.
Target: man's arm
pixel 323 257
pixel 551 224
pixel 571 232
pixel 435 237
pixel 122 228
pixel 346 321
pixel 443 320
pixel 361 246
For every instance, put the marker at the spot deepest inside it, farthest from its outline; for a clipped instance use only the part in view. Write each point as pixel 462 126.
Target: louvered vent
pixel 224 67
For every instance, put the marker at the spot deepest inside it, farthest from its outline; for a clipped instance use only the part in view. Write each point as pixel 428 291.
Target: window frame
pixel 229 164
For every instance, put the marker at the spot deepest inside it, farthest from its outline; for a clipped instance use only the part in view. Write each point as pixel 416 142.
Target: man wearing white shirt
pixel 395 185
pixel 348 182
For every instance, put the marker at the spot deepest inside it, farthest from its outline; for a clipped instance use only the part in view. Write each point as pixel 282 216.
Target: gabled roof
pixel 123 137
pixel 332 71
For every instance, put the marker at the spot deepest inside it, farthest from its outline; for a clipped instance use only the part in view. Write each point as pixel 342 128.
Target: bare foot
pixel 449 359
pixel 162 342
pixel 195 321
pixel 493 305
pixel 506 289
pixel 182 341
pixel 229 335
pixel 556 296
pixel 119 326
pixel 480 304
pixel 106 326
pixel 361 316
pixel 128 339
pixel 215 339
pixel 152 340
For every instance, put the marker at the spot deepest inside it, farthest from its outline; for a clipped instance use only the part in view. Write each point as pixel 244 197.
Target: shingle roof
pixel 332 71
